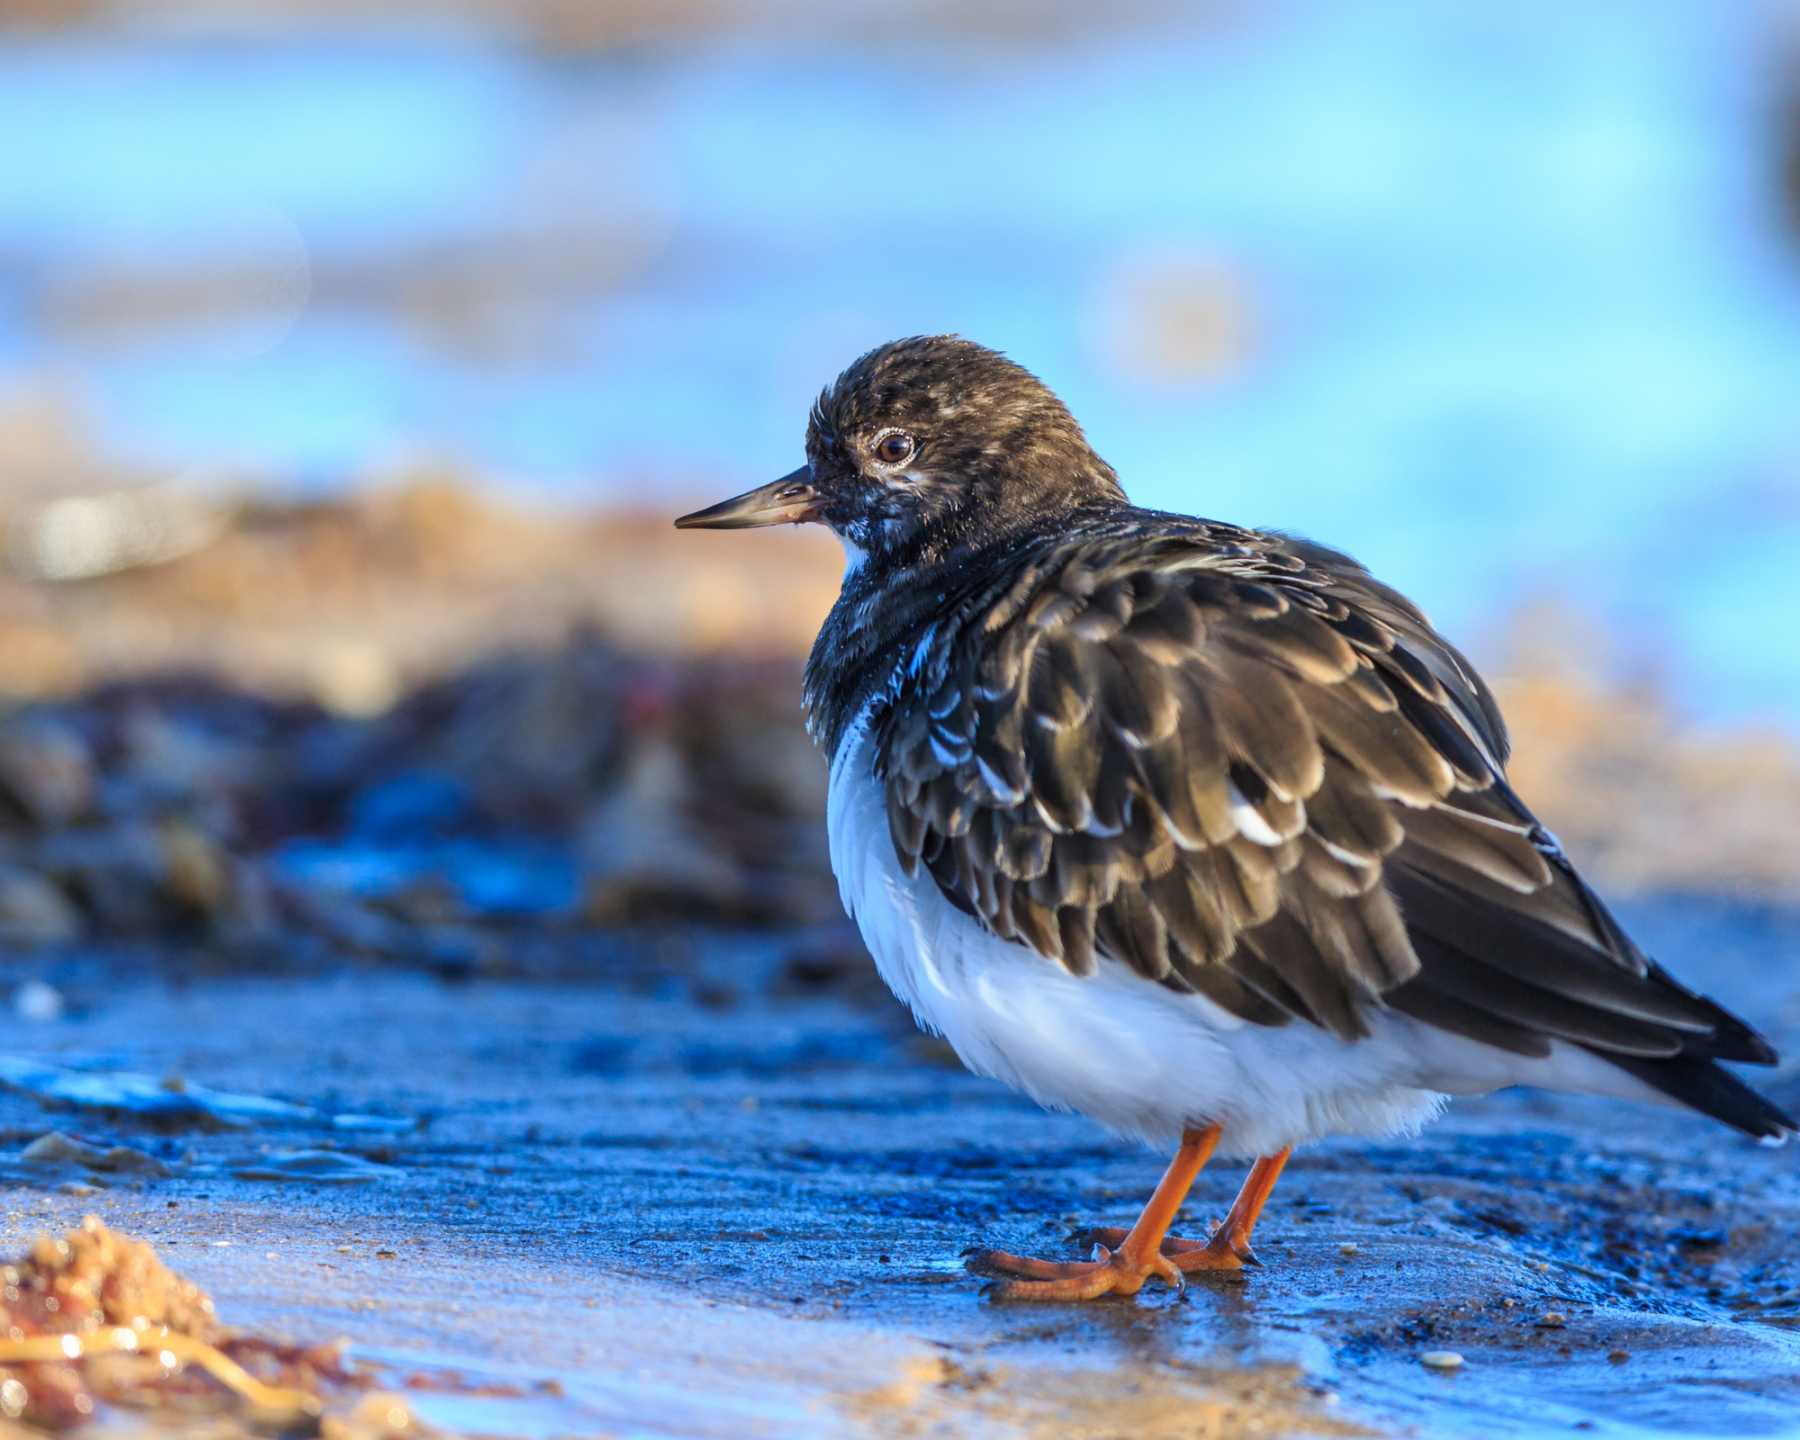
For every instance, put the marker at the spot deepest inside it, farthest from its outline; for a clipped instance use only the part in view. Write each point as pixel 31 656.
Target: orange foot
pixel 1225 1251
pixel 1110 1272
pixel 1124 1260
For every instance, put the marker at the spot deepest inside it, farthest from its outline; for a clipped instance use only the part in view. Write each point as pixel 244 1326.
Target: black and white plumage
pixel 1176 823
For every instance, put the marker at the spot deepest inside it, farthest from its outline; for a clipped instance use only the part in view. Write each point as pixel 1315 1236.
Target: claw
pixel 1168 1272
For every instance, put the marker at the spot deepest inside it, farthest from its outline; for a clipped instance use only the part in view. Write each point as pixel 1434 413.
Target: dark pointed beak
pixel 789 499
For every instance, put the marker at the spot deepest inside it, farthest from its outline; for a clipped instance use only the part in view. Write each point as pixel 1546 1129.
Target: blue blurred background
pixel 1503 298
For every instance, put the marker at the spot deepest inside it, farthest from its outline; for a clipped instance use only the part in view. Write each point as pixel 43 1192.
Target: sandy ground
pixel 690 1188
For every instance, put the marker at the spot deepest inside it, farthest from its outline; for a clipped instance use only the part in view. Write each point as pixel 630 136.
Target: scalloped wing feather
pixel 1240 766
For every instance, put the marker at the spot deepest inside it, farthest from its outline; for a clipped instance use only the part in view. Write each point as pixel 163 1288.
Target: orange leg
pixel 1140 1253
pixel 1229 1248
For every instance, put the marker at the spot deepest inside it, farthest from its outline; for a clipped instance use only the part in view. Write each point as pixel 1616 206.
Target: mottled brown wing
pixel 1250 771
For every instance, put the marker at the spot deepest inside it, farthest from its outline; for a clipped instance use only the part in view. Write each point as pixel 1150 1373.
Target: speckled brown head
pixel 928 442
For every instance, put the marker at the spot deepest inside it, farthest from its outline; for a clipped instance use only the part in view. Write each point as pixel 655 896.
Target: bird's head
pixel 926 443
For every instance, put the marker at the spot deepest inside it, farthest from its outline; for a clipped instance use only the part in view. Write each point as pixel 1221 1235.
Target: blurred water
pixel 1495 296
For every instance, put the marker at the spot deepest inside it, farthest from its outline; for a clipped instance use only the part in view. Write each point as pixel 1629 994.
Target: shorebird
pixel 1199 830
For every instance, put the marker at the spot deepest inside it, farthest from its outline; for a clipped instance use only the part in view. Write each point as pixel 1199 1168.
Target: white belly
pixel 1134 1055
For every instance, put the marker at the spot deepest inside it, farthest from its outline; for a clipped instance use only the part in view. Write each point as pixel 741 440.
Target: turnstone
pixel 1198 830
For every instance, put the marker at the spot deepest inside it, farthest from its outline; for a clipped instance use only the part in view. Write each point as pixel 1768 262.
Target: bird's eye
pixel 894 448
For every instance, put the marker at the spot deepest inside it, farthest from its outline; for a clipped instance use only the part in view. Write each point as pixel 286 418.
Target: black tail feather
pixel 1710 1088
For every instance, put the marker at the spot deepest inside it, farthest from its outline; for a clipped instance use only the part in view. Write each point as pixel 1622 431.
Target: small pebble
pixel 1441 1360
pixel 1552 1320
pixel 1619 1357
pixel 1349 1247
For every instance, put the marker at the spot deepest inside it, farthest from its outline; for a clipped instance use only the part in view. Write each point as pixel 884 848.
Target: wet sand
pixel 697 1186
